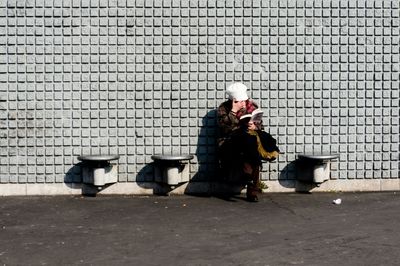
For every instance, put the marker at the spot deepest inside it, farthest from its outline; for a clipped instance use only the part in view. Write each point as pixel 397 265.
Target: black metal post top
pixel 318 156
pixel 98 157
pixel 172 157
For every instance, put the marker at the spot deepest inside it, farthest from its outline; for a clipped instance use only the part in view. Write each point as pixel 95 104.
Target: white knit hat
pixel 237 91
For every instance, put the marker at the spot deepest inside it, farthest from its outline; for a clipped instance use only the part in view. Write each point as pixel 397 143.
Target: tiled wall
pixel 143 77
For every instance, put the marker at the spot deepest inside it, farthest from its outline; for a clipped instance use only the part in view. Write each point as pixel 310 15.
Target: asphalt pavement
pixel 281 229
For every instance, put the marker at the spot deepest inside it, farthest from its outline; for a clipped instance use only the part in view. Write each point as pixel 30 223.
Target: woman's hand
pixel 252 126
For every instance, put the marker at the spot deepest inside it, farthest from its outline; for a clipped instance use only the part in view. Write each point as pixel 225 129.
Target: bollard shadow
pixel 297 175
pixel 145 179
pixel 73 177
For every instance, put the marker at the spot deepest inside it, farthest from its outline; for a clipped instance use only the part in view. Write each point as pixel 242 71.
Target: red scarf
pixel 250 107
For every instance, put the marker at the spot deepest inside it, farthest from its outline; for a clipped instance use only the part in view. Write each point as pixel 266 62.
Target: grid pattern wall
pixel 141 77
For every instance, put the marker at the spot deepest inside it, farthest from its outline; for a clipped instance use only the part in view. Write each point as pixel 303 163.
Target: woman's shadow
pixel 201 181
pixel 210 179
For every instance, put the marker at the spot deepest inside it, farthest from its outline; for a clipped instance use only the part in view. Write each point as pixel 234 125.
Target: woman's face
pixel 239 104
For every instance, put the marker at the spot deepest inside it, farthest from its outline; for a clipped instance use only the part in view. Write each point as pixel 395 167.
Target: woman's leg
pixel 252 174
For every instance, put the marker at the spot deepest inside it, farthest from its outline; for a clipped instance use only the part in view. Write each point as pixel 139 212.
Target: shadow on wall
pixel 206 153
pixel 145 179
pixel 206 158
pixel 73 175
pixel 290 175
pixel 210 180
pixel 208 174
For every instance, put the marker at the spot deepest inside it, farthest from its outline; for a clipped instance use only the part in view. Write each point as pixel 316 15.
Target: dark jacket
pixel 229 122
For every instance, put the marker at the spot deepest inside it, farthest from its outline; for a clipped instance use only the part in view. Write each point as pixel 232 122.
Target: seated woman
pixel 229 148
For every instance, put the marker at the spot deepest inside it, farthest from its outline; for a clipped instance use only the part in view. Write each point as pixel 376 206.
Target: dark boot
pixel 253 186
pixel 256 179
pixel 251 192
